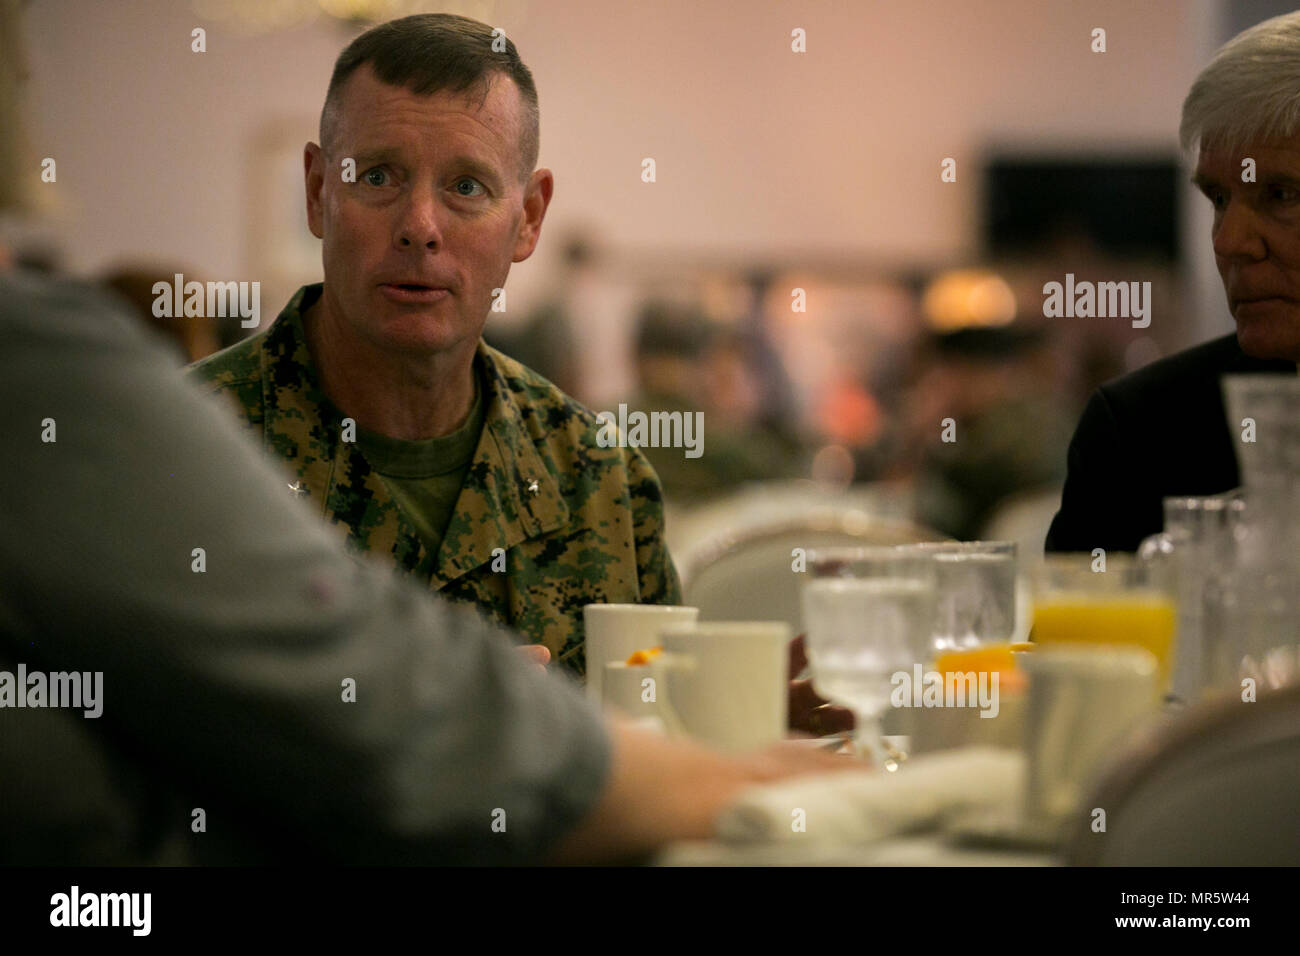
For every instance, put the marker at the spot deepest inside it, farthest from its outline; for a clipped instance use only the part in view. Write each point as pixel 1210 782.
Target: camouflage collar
pixel 509 495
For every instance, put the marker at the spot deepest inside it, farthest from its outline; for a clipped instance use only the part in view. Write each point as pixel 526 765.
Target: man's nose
pixel 418 224
pixel 1237 234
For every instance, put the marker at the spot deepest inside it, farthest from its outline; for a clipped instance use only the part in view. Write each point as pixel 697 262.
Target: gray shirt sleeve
pixel 231 679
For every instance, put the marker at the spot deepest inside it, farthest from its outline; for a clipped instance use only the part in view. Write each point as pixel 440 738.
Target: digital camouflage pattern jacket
pixel 577 523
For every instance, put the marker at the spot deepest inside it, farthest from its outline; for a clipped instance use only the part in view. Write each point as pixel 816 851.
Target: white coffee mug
pixel 615 631
pixel 631 691
pixel 725 682
pixel 1083 704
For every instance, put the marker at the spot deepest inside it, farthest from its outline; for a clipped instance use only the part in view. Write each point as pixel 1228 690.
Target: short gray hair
pixel 430 52
pixel 1250 91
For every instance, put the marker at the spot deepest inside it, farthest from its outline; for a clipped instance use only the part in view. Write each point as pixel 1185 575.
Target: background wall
pixel 833 154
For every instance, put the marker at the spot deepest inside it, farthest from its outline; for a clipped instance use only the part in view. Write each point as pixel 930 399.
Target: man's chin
pixel 423 343
pixel 417 333
pixel 1269 339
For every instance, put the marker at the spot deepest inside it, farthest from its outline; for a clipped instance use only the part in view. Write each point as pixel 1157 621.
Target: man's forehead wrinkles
pixel 392 143
pixel 420 121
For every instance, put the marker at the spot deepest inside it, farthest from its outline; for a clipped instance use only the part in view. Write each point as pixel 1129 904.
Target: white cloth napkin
pixel 862 807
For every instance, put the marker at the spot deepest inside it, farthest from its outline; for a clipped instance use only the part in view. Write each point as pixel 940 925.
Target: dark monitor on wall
pixel 1123 206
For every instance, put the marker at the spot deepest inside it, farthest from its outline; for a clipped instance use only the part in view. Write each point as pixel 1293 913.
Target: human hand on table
pixel 809 712
pixel 662 789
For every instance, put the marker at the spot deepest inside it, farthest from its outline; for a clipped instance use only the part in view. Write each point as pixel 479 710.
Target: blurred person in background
pixel 545 340
pixel 983 419
pixel 221 690
pixel 1009 432
pixel 668 351
pixel 685 362
pixel 775 414
pixel 1162 431
pixel 467 470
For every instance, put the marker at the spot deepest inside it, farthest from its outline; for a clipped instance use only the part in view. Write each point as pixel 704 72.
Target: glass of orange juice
pixel 1106 599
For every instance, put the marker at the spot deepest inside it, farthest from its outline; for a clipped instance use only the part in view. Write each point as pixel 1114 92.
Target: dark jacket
pixel 1159 432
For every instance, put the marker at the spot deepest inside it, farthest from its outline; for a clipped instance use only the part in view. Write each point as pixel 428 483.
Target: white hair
pixel 1250 91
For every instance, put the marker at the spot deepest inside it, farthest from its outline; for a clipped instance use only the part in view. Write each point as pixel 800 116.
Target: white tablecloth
pixel 930 849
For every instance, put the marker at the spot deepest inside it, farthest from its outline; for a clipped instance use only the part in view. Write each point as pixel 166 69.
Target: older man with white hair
pixel 1162 431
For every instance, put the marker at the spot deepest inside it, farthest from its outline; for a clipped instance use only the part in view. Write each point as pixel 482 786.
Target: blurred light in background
pixel 968 298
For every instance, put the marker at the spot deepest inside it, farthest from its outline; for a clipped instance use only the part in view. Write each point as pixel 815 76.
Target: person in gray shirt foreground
pixel 270 698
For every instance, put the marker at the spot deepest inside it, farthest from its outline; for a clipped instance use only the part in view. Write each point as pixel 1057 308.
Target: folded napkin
pixel 862 807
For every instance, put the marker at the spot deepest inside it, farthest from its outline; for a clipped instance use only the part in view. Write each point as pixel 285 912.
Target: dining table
pixel 935 846
pixel 922 849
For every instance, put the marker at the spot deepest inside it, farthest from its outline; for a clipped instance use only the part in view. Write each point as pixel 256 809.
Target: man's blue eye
pixel 373 172
pixel 470 182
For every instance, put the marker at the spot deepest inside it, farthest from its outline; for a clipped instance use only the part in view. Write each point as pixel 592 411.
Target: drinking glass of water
pixel 975 583
pixel 868 615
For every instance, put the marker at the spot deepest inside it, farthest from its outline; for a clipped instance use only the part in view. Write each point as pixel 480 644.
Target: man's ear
pixel 313 168
pixel 537 197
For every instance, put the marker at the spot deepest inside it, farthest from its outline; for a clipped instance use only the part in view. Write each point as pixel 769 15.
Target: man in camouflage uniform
pixel 460 465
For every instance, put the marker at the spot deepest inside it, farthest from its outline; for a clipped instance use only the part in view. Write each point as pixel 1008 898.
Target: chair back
pixel 1217 787
pixel 749 573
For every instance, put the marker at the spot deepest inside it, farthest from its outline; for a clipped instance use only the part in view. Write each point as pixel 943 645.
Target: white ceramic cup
pixel 614 631
pixel 725 682
pixel 1083 704
pixel 631 690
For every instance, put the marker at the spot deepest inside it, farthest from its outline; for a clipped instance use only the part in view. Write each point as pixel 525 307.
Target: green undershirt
pixel 425 477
